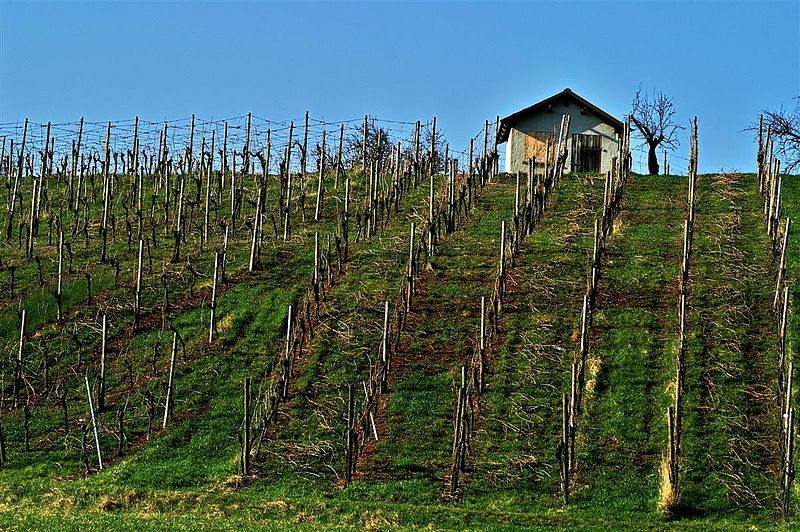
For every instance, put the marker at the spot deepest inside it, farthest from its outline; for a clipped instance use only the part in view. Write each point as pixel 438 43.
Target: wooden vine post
pixel 287 358
pixel 364 145
pixel 255 237
pixel 346 219
pixel 320 181
pixel 287 206
pixel 501 271
pixel 106 195
pixel 304 154
pixel 782 265
pixel 339 166
pixel 31 221
pixel 385 355
pixel 223 162
pixel 316 275
pixel 94 424
pixel 223 260
pixel 20 360
pixel 787 469
pixel 410 270
pixel 209 171
pixel 246 148
pixel 170 381
pixel 137 301
pixel 482 347
pixel 563 449
pixel 2 443
pixel 178 231
pixel 212 329
pixel 76 149
pixel 59 300
pixel 431 173
pixel 101 384
pixel 460 432
pixel 17 179
pixel 350 438
pixel 246 443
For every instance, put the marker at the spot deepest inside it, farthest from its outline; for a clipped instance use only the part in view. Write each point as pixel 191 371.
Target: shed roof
pixel 511 120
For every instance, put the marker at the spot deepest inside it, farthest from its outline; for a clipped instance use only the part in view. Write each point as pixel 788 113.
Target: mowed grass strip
pixel 732 417
pixel 440 337
pixel 631 351
pixel 515 462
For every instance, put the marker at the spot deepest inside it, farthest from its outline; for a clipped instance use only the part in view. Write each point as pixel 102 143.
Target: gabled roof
pixel 511 120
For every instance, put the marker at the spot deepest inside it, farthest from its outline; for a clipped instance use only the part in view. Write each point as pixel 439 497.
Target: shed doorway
pixel 586 153
pixel 536 147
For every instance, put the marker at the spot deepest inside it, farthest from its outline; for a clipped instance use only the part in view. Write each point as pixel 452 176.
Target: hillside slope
pixel 186 475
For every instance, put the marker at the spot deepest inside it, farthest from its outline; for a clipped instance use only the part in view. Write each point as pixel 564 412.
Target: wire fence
pixel 64 135
pixel 266 137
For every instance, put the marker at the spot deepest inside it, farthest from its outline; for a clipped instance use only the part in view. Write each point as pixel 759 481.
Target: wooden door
pixel 536 145
pixel 586 153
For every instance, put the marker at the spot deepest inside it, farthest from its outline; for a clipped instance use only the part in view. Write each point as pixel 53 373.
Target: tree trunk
pixel 652 160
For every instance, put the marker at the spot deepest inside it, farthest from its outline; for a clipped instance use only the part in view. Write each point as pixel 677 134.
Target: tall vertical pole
pixel 170 381
pixel 190 154
pixel 94 423
pixel 101 390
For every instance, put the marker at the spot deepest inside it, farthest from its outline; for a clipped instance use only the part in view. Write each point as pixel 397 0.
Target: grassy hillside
pixel 186 475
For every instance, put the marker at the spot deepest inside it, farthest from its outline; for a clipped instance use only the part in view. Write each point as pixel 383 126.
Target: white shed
pixel 594 134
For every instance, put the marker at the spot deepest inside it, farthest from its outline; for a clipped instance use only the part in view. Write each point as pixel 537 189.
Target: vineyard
pixel 248 323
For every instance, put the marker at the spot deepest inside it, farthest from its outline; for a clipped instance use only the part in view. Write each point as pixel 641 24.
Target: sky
pixel 462 62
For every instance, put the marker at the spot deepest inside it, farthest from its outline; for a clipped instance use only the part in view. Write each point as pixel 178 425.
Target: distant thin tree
pixel 654 116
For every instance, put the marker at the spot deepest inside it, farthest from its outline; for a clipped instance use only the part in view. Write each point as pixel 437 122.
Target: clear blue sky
pixel 460 61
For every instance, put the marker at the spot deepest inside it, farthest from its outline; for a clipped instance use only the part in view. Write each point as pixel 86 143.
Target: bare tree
pixel 379 144
pixel 441 140
pixel 654 116
pixel 785 127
